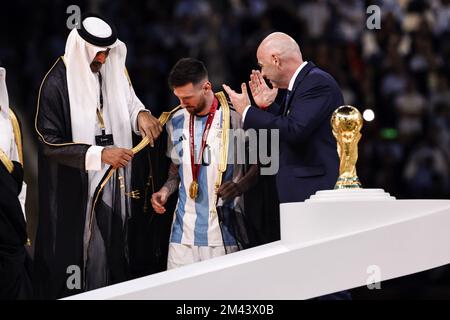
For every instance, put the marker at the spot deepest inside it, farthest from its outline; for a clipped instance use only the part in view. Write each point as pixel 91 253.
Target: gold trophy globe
pixel 346 123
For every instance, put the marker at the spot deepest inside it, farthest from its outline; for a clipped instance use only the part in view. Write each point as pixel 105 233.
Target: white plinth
pixel 328 244
pixel 351 195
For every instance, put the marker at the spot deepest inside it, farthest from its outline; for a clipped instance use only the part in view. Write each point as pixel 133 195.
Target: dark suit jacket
pixel 308 153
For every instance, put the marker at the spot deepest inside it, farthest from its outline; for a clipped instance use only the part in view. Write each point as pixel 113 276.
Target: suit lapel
pixel 306 69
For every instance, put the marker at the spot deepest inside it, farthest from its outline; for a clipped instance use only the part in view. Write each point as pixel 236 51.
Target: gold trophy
pixel 347 123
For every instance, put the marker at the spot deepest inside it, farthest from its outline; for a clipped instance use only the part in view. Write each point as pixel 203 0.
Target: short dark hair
pixel 187 70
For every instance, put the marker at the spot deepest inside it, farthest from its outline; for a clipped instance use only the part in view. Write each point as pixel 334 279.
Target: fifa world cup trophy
pixel 347 123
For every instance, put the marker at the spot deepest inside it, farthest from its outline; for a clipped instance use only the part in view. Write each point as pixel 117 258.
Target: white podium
pixel 336 240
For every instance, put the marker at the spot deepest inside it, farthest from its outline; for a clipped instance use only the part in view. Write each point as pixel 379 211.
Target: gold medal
pixel 193 189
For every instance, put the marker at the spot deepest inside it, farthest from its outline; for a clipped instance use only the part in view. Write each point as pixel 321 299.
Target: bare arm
pixel 159 198
pixel 173 180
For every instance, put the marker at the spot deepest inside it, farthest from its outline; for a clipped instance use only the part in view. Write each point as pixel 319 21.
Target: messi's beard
pixel 201 107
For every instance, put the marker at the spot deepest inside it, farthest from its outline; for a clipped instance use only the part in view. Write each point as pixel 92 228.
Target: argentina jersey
pixel 195 221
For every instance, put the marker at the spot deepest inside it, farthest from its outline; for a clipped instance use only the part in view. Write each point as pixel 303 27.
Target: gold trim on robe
pixel 37 114
pixel 6 161
pixel 17 134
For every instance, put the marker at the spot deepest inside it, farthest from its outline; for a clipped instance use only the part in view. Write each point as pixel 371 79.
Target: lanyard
pixel 100 108
pixel 195 167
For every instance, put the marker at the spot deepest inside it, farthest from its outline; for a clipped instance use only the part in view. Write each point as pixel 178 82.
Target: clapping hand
pixel 239 100
pixel 262 94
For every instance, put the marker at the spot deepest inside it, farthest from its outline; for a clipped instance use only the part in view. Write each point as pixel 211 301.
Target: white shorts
pixel 183 254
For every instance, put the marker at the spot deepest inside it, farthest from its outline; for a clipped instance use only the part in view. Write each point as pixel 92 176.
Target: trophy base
pixel 348 183
pixel 356 194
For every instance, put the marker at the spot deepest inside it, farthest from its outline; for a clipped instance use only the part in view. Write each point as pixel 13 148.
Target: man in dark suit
pixel 308 158
pixel 308 153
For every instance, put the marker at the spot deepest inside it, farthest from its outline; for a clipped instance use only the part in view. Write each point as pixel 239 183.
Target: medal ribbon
pixel 195 167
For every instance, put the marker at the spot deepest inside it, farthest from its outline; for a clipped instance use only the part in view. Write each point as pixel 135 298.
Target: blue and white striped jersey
pixel 195 221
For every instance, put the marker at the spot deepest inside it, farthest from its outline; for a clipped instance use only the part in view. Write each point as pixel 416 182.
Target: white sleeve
pixel 134 107
pixel 93 160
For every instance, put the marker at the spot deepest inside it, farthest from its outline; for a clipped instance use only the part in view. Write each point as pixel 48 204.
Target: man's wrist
pixel 165 190
pixel 266 106
pixel 139 114
pixel 170 186
pixel 142 111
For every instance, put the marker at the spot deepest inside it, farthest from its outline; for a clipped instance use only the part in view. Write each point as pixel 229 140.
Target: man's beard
pixel 191 110
pixel 198 109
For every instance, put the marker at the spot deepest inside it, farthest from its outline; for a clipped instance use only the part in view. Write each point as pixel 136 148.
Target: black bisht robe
pixel 63 184
pixel 15 263
pixel 149 232
pixel 63 197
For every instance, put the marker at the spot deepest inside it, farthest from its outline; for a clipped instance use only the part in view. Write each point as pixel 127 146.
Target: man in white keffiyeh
pixel 86 113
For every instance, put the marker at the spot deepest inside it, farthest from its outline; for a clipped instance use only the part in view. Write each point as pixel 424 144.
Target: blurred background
pixel 401 72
